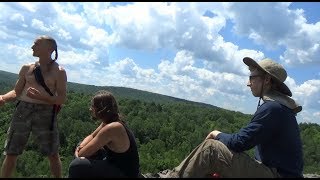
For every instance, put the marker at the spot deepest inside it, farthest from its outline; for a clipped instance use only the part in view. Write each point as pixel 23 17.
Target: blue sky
pixel 191 50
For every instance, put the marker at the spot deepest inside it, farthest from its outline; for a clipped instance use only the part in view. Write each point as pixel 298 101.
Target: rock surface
pixel 311 175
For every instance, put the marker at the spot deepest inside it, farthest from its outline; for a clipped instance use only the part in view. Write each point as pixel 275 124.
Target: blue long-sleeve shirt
pixel 275 134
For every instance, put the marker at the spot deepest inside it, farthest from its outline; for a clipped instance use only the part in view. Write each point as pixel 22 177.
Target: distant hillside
pixel 131 93
pixel 9 79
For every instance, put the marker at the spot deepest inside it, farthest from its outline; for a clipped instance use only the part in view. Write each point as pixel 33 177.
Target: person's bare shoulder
pixel 25 68
pixel 61 69
pixel 28 65
pixel 58 67
pixel 62 75
pixel 114 128
pixel 115 125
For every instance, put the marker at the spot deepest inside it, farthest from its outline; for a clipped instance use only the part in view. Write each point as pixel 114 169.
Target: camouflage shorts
pixel 35 118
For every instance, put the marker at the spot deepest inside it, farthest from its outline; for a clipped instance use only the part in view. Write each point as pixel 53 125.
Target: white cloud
pixel 29 6
pixel 309 94
pixel 95 12
pixel 317 114
pixel 75 57
pixel 64 34
pixel 179 78
pixel 275 25
pixel 310 116
pixel 257 20
pixel 184 27
pixel 69 19
pixel 17 17
pixel 141 25
pixel 37 24
pixel 14 57
pixel 95 37
pixel 3 35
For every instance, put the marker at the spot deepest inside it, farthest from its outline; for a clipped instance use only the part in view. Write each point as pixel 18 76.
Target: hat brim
pixel 283 88
pixel 250 62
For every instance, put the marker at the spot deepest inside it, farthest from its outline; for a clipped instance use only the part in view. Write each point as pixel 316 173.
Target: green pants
pixel 212 156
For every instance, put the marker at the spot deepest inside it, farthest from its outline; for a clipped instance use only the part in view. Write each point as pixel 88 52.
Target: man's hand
pixel 34 93
pixel 213 134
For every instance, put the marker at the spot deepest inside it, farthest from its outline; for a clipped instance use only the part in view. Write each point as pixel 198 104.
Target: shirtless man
pixel 34 110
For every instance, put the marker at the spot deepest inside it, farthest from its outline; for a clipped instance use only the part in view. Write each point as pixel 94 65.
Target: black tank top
pixel 127 162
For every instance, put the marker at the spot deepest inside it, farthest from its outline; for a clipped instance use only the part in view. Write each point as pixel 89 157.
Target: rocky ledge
pixel 311 176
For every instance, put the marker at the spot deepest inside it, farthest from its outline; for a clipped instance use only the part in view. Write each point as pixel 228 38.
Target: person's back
pixel 127 161
pixel 283 149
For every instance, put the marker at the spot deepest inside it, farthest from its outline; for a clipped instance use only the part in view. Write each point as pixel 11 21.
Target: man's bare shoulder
pixel 61 72
pixel 28 65
pixel 59 68
pixel 25 68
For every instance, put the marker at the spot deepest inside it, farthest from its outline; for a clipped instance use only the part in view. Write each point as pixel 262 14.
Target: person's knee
pixel 78 167
pixel 211 143
pixel 219 152
pixel 78 162
pixel 216 147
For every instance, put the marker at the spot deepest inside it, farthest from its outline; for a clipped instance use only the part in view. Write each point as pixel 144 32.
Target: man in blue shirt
pixel 273 131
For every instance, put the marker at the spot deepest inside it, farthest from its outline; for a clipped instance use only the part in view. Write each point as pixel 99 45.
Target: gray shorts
pixel 35 118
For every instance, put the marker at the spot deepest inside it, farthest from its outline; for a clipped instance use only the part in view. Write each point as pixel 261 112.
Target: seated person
pixel 273 131
pixel 111 150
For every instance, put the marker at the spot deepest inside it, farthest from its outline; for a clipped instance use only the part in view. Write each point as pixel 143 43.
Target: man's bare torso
pixel 50 78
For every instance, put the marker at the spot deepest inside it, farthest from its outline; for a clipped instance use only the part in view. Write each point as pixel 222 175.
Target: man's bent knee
pixel 212 143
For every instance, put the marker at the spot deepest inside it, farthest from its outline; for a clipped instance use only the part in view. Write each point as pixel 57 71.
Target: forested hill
pixel 166 128
pixel 7 79
pixel 130 93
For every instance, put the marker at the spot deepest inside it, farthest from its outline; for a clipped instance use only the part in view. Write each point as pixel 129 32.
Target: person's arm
pixel 87 139
pixel 18 88
pixel 61 87
pixel 104 136
pixel 261 128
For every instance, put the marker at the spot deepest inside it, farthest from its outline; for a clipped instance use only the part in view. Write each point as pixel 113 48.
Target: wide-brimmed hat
pixel 275 70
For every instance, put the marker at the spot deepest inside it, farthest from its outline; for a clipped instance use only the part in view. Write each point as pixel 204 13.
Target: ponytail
pixel 55 55
pixel 53 44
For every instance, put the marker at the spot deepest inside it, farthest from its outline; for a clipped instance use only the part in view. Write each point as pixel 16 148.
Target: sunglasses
pixel 254 76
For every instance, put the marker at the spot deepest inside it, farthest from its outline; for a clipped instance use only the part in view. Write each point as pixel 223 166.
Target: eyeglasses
pixel 254 76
